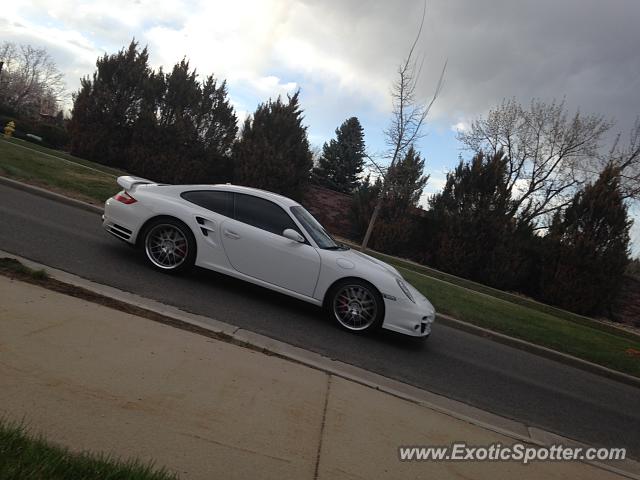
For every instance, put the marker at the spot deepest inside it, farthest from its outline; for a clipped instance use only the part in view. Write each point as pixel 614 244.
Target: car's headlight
pixel 405 289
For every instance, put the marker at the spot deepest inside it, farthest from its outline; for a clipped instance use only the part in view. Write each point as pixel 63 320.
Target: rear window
pixel 216 201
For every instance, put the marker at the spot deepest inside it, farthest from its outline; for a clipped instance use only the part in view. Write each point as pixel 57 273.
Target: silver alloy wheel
pixel 166 246
pixel 354 306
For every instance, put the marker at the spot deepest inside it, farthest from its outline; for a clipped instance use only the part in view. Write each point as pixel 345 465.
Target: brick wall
pixel 332 209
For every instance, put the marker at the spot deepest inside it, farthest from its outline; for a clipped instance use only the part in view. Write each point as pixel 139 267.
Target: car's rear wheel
pixel 356 305
pixel 169 245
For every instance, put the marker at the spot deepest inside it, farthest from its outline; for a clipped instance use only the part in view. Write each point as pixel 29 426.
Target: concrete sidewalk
pixel 97 379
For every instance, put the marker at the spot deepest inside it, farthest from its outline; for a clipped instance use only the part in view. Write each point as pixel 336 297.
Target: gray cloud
pixel 584 50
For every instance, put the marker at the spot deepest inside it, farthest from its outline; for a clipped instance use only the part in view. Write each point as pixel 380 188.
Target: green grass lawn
pixel 582 341
pixel 57 171
pixel 502 295
pixel 25 456
pixel 65 156
pixel 494 292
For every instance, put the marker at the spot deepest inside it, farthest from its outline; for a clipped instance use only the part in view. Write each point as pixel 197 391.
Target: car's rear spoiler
pixel 129 182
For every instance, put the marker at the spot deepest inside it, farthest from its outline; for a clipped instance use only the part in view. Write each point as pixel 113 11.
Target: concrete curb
pixel 444 319
pixel 510 428
pixel 540 351
pixel 41 192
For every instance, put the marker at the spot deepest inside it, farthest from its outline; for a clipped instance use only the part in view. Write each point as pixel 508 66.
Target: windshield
pixel 313 228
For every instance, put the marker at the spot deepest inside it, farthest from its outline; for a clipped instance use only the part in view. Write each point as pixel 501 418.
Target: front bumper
pixel 404 316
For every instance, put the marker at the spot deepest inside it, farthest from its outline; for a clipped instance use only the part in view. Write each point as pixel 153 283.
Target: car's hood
pixel 359 258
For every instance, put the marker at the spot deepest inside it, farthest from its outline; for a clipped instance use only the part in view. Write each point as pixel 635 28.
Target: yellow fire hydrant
pixel 9 129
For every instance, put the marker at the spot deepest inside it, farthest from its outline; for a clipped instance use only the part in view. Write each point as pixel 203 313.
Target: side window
pixel 218 202
pixel 262 214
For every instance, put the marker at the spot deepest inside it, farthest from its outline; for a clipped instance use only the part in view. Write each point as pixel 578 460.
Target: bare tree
pixel 30 80
pixel 627 159
pixel 408 116
pixel 546 151
pixel 8 57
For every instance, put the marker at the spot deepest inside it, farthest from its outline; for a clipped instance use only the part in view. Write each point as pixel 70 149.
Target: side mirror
pixel 291 234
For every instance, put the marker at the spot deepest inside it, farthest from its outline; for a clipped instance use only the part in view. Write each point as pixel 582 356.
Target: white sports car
pixel 266 239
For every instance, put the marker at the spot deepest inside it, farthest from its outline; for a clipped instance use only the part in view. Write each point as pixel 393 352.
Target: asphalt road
pixel 462 366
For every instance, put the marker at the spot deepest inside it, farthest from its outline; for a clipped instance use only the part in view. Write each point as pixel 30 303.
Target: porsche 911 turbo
pixel 268 240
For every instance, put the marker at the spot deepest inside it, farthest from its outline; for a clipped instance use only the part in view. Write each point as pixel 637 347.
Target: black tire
pixel 348 303
pixel 169 256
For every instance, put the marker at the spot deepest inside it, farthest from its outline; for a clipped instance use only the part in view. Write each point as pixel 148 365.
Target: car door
pixel 255 246
pixel 218 205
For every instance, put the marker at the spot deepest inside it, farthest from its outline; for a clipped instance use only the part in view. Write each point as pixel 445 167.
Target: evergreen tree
pixel 169 127
pixel 273 152
pixel 362 204
pixel 342 159
pixel 475 189
pixel 633 269
pixel 405 183
pixel 588 248
pixel 107 106
pixel 474 234
pixel 186 129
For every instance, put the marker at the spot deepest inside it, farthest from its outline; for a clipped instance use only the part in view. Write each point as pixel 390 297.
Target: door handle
pixel 231 234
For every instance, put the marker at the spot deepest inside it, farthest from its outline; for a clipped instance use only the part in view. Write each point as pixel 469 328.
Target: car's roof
pixel 227 187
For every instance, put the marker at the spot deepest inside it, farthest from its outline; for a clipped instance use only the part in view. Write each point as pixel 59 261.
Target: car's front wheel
pixel 169 245
pixel 356 305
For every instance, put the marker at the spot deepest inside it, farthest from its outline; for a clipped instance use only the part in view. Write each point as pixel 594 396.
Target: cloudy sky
pixel 343 54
